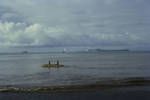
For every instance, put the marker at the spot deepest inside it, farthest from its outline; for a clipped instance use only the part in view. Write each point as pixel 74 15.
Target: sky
pixel 54 23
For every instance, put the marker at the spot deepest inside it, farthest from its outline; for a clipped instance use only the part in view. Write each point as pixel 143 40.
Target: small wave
pixel 111 83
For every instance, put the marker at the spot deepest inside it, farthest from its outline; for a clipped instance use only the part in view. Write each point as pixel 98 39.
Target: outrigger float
pixel 49 65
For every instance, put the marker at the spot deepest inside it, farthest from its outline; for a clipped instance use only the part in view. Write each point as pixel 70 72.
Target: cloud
pixel 7 14
pixel 18 34
pixel 21 34
pixel 74 22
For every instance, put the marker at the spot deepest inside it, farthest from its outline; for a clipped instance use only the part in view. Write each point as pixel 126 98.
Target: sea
pixel 25 69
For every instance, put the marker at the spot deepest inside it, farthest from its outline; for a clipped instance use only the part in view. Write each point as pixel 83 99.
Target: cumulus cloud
pixel 21 34
pixel 18 34
pixel 74 22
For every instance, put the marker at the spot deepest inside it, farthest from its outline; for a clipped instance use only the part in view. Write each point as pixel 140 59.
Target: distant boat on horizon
pixel 24 52
pixel 64 50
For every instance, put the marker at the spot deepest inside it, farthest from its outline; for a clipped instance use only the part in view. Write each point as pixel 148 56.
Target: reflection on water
pixel 80 68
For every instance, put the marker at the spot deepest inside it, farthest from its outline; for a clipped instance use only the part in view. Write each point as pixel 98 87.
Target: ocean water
pixel 80 68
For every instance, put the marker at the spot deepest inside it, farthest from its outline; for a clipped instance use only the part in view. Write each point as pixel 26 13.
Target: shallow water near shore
pixel 131 93
pixel 80 68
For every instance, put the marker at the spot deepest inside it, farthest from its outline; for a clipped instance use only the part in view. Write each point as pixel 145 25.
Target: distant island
pixel 108 50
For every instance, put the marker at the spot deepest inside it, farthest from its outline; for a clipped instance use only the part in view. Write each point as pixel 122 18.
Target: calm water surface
pixel 80 68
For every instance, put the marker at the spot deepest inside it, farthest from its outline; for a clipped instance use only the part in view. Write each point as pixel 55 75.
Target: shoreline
pixel 122 93
pixel 99 85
